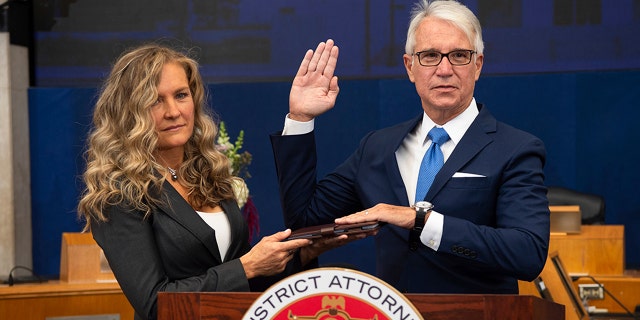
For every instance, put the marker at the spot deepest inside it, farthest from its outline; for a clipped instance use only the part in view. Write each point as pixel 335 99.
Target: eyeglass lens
pixel 433 58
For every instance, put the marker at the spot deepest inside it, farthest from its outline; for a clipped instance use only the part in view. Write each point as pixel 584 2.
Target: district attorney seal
pixel 331 293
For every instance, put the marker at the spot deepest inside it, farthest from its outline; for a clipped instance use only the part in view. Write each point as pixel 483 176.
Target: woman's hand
pixel 271 255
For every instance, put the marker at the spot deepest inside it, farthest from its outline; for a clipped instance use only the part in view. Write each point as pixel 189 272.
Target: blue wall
pixel 248 40
pixel 587 121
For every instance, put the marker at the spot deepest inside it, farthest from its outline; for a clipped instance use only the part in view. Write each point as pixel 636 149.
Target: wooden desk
pixel 625 288
pixel 596 250
pixel 56 299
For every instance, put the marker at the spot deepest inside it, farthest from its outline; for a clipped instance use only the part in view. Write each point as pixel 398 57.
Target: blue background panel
pixel 586 120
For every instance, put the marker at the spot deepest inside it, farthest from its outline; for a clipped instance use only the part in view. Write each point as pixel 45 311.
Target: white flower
pixel 241 191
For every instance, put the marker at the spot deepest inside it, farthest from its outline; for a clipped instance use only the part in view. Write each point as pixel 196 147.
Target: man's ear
pixel 408 65
pixel 479 62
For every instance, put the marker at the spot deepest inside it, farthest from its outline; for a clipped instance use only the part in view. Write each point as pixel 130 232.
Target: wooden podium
pixel 232 305
pixel 82 260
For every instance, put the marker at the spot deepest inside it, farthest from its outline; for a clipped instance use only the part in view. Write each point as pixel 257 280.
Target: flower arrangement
pixel 239 161
pixel 239 166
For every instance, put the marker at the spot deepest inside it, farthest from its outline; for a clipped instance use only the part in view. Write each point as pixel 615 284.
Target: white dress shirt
pixel 409 156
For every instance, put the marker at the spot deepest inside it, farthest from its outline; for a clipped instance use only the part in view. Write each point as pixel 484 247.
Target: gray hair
pixel 448 10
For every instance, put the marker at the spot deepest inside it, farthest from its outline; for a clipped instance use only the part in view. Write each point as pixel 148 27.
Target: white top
pixel 219 222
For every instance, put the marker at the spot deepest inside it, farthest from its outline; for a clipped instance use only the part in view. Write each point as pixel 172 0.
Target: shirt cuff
pixel 293 127
pixel 431 235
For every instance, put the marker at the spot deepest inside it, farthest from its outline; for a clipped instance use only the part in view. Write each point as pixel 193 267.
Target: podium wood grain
pixel 227 305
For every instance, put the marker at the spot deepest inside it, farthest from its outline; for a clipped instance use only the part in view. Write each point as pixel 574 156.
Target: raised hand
pixel 315 88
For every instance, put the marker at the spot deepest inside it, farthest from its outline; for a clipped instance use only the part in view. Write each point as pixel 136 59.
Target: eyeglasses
pixel 432 58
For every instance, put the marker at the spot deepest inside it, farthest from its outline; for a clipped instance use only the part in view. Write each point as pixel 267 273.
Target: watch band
pixel 422 208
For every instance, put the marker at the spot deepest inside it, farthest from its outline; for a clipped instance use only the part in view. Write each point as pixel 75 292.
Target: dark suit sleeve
pixel 130 245
pixel 304 201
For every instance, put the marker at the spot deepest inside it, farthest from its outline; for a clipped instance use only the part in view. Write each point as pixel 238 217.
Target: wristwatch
pixel 422 208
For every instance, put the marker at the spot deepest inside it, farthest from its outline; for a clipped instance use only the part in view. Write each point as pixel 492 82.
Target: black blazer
pixel 173 250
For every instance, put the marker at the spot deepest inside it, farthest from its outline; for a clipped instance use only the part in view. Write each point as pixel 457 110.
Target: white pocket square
pixel 467 175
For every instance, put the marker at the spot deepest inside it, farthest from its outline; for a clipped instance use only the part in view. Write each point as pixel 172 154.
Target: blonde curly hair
pixel 121 168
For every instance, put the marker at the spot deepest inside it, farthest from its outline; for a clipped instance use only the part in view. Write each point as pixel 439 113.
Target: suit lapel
pixel 473 141
pixel 180 211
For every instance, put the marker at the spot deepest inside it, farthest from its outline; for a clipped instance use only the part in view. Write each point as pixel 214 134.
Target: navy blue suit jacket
pixel 496 227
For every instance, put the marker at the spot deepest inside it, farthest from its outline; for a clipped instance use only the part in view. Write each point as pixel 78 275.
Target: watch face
pixel 423 205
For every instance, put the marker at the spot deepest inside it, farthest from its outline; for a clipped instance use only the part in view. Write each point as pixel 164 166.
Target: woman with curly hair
pixel 159 197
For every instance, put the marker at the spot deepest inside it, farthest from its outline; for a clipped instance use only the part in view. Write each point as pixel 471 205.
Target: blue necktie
pixel 431 162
